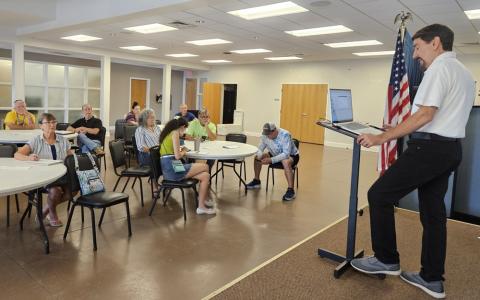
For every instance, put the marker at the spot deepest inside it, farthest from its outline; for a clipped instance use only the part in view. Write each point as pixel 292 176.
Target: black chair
pixel 158 122
pixel 128 133
pixel 232 163
pixel 118 160
pixel 169 185
pixel 280 167
pixel 62 126
pixel 9 150
pixel 100 200
pixel 102 133
pixel 119 124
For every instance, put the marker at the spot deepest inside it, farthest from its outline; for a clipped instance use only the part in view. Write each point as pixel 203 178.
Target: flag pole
pixel 403 17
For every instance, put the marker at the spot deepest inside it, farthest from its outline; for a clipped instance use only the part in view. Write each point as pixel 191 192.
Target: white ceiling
pixel 370 19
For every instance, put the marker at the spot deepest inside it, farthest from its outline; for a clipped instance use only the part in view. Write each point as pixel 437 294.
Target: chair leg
pixel 126 183
pixel 273 176
pixel 105 162
pixel 28 210
pixel 101 217
pixel 8 211
pixel 141 190
pixel 128 218
pixel 196 195
pixel 166 198
pixel 116 183
pixel 94 230
pixel 154 202
pixel 134 180
pixel 83 214
pixel 16 202
pixel 183 205
pixel 268 177
pixel 296 172
pixel 68 207
pixel 70 215
pixel 244 170
pixel 216 172
pixel 239 181
pixel 223 173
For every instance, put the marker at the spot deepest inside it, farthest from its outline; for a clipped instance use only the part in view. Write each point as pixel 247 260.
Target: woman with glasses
pixel 49 145
pixel 146 135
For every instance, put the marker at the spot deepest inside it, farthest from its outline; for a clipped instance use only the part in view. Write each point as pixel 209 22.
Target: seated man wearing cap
pixel 281 151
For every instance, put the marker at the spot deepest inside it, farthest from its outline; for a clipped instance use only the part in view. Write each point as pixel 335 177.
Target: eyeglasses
pixel 50 122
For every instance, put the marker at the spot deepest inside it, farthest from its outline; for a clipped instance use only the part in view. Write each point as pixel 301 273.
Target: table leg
pixel 241 179
pixel 39 204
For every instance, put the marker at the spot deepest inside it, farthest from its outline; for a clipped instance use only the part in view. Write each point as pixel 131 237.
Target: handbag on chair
pixel 90 181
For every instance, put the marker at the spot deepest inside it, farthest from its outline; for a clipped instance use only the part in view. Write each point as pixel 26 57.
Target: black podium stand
pixel 352 210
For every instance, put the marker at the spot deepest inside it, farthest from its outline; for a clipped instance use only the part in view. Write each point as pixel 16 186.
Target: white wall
pixel 259 85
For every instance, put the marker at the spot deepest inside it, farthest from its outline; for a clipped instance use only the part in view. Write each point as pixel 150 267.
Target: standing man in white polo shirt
pixel 439 115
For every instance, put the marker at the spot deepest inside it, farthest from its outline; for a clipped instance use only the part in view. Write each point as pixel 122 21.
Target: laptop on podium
pixel 342 113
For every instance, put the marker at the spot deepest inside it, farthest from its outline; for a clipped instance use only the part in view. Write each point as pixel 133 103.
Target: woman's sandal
pixel 54 223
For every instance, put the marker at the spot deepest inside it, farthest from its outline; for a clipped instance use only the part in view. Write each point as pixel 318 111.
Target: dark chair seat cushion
pixel 102 199
pixel 231 161
pixel 137 171
pixel 183 183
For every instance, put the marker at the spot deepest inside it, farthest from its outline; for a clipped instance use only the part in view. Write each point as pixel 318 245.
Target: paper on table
pixel 231 146
pixel 13 168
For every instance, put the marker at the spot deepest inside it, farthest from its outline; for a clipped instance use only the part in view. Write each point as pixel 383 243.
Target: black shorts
pixel 279 165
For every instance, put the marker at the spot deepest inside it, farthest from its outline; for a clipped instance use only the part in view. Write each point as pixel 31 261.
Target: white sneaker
pixel 210 203
pixel 206 211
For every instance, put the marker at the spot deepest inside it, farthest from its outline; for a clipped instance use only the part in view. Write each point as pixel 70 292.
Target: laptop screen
pixel 341 105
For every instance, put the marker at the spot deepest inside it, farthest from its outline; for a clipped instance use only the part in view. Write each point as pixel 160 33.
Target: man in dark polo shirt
pixel 88 129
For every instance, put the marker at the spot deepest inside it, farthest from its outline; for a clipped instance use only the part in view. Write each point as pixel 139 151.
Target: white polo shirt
pixel 450 87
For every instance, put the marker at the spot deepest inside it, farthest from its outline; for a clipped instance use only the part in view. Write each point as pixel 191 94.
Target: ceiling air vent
pixel 470 44
pixel 180 24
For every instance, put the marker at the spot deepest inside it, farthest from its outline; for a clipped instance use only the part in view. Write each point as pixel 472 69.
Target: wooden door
pixel 138 92
pixel 191 93
pixel 212 98
pixel 302 106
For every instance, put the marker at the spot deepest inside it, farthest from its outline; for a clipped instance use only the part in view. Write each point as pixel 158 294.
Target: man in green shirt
pixel 201 127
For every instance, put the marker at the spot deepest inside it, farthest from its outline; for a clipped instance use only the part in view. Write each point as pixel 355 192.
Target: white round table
pixel 22 176
pixel 23 136
pixel 222 150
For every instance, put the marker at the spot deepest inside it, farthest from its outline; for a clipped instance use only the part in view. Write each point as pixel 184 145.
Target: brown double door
pixel 138 92
pixel 302 106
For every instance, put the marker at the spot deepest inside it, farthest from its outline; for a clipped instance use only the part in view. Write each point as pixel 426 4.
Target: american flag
pixel 397 108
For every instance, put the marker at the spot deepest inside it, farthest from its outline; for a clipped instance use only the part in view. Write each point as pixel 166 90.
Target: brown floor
pixel 167 258
pixel 301 274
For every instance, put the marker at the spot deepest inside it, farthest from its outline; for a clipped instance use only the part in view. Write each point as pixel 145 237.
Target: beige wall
pixel 258 87
pixel 120 88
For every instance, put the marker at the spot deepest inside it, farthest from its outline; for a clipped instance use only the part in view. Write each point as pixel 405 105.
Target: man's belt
pixel 431 137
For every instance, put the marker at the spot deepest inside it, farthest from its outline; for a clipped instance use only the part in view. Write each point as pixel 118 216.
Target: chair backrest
pixel 62 126
pixel 84 163
pixel 117 152
pixel 296 142
pixel 128 132
pixel 119 124
pixel 158 122
pixel 155 162
pixel 8 150
pixel 236 137
pixel 134 144
pixel 101 134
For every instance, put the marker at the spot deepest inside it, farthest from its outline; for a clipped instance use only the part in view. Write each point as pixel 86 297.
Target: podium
pixel 352 210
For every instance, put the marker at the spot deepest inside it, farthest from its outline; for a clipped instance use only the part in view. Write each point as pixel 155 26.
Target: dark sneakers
pixel 289 195
pixel 254 184
pixel 371 265
pixel 433 288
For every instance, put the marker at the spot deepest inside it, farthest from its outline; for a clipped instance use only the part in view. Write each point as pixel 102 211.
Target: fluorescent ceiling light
pixel 150 28
pixel 319 30
pixel 250 51
pixel 81 38
pixel 179 55
pixel 216 61
pixel 138 48
pixel 374 53
pixel 208 42
pixel 277 9
pixel 283 58
pixel 473 14
pixel 354 44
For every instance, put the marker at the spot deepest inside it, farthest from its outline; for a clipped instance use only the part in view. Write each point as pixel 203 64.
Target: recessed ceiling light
pixel 283 58
pixel 150 28
pixel 208 42
pixel 277 9
pixel 354 44
pixel 374 53
pixel 138 48
pixel 216 61
pixel 179 55
pixel 81 38
pixel 473 14
pixel 319 30
pixel 250 51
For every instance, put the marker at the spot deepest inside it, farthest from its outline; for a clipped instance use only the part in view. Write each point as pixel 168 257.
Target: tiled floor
pixel 167 258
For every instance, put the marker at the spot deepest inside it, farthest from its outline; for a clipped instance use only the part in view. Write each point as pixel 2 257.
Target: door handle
pixel 304 114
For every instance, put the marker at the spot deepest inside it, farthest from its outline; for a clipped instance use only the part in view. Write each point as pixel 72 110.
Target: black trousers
pixel 425 165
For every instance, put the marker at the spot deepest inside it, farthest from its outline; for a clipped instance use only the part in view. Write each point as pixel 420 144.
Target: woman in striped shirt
pixel 146 136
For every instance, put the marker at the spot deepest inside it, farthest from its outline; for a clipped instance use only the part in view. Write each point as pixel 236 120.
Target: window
pixel 5 87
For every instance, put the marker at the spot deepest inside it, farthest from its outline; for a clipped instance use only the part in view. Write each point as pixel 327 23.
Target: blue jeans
pixel 86 144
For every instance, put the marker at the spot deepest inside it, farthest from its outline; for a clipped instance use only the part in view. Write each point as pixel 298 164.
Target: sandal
pixel 54 223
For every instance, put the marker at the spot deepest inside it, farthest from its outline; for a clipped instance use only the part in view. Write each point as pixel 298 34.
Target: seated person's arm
pixel 189 133
pixel 285 150
pixel 179 153
pixel 261 148
pixel 12 125
pixel 25 153
pixel 31 121
pixel 212 134
pixel 93 131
